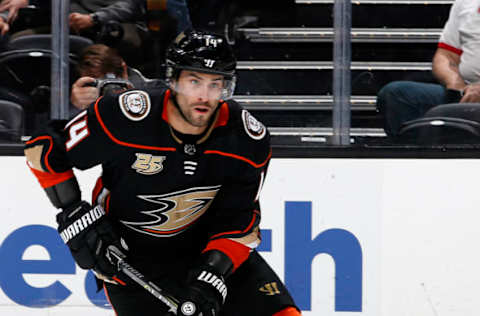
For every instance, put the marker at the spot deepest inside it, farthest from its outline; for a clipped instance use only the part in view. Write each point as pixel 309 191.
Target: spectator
pixel 455 65
pixel 85 15
pixel 119 23
pixel 4 27
pixel 179 10
pixel 97 61
pixel 11 7
pixel 9 12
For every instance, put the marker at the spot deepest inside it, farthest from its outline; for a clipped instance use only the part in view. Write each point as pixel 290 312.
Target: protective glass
pixel 209 87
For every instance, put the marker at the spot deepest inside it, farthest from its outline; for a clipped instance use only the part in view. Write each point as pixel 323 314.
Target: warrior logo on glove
pixel 80 224
pixel 214 281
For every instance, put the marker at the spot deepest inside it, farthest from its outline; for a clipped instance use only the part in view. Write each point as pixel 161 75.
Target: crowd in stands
pixel 115 33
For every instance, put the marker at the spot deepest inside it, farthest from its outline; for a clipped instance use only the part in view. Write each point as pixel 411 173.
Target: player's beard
pixel 197 120
pixel 189 115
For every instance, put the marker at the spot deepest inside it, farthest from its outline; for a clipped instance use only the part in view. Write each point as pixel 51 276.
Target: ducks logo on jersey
pixel 178 211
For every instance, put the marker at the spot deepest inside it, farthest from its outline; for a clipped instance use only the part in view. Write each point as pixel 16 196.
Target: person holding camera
pixel 102 69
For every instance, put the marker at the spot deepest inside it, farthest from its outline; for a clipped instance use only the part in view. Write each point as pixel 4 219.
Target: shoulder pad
pixel 253 139
pixel 119 115
pixel 245 121
pixel 135 104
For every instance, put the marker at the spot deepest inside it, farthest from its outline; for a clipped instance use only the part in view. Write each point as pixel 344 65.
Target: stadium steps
pixel 362 35
pixel 285 61
pixel 314 77
pixel 328 65
pixel 302 103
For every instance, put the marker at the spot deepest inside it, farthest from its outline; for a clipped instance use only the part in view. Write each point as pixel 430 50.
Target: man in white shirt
pixel 455 65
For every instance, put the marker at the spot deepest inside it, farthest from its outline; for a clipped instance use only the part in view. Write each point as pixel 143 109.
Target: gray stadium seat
pixel 11 121
pixel 454 123
pixel 44 41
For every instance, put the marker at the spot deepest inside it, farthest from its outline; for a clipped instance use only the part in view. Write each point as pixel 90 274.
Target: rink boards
pixel 348 236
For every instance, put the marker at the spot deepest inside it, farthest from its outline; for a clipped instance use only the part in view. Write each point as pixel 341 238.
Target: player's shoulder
pixel 250 134
pixel 123 112
pixel 246 124
pixel 132 105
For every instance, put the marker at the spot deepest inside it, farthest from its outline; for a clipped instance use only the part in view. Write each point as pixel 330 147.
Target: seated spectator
pixel 10 8
pixel 179 10
pixel 4 27
pixel 8 14
pixel 100 61
pixel 119 23
pixel 455 65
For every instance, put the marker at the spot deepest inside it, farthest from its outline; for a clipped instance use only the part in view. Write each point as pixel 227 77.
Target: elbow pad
pixel 218 261
pixel 64 194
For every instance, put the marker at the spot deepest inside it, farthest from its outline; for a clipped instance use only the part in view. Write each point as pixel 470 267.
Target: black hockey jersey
pixel 171 196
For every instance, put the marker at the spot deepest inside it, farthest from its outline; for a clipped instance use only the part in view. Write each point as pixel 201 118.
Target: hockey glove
pixel 206 286
pixel 207 290
pixel 88 233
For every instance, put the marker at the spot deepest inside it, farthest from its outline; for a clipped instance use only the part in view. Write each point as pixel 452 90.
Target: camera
pixel 110 85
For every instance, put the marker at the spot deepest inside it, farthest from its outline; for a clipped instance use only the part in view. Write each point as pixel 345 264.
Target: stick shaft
pixel 117 258
pixel 149 286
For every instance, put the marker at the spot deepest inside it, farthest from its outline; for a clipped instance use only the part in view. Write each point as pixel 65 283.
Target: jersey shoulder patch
pixel 135 104
pixel 254 128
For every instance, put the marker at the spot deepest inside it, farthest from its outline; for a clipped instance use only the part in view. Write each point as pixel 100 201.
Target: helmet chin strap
pixel 175 102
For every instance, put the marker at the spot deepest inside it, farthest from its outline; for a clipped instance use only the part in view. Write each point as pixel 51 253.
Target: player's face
pixel 198 95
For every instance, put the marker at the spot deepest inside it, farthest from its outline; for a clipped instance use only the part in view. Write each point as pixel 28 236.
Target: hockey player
pixel 179 192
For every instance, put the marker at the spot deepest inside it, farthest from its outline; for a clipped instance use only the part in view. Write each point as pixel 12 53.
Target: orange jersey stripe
pixel 165 102
pixel 255 165
pixel 169 231
pixel 122 143
pixel 249 227
pixel 107 204
pixel 108 298
pixel 289 311
pixel 236 251
pixel 119 281
pixel 96 190
pixel 224 114
pixel 50 179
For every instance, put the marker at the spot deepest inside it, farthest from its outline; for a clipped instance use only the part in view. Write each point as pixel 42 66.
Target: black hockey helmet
pixel 203 52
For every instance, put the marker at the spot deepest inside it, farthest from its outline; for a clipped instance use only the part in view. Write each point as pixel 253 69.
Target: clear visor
pixel 204 86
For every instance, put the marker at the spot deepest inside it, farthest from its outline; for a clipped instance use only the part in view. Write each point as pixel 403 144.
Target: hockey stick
pixel 118 259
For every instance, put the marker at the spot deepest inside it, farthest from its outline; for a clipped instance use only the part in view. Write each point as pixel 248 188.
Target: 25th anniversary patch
pixel 135 104
pixel 253 127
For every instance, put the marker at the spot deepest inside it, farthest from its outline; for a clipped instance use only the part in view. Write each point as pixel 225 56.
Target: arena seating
pixel 11 121
pixel 25 74
pixel 285 63
pixel 285 55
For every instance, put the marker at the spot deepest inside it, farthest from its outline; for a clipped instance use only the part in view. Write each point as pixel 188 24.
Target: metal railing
pixel 321 34
pixel 392 2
